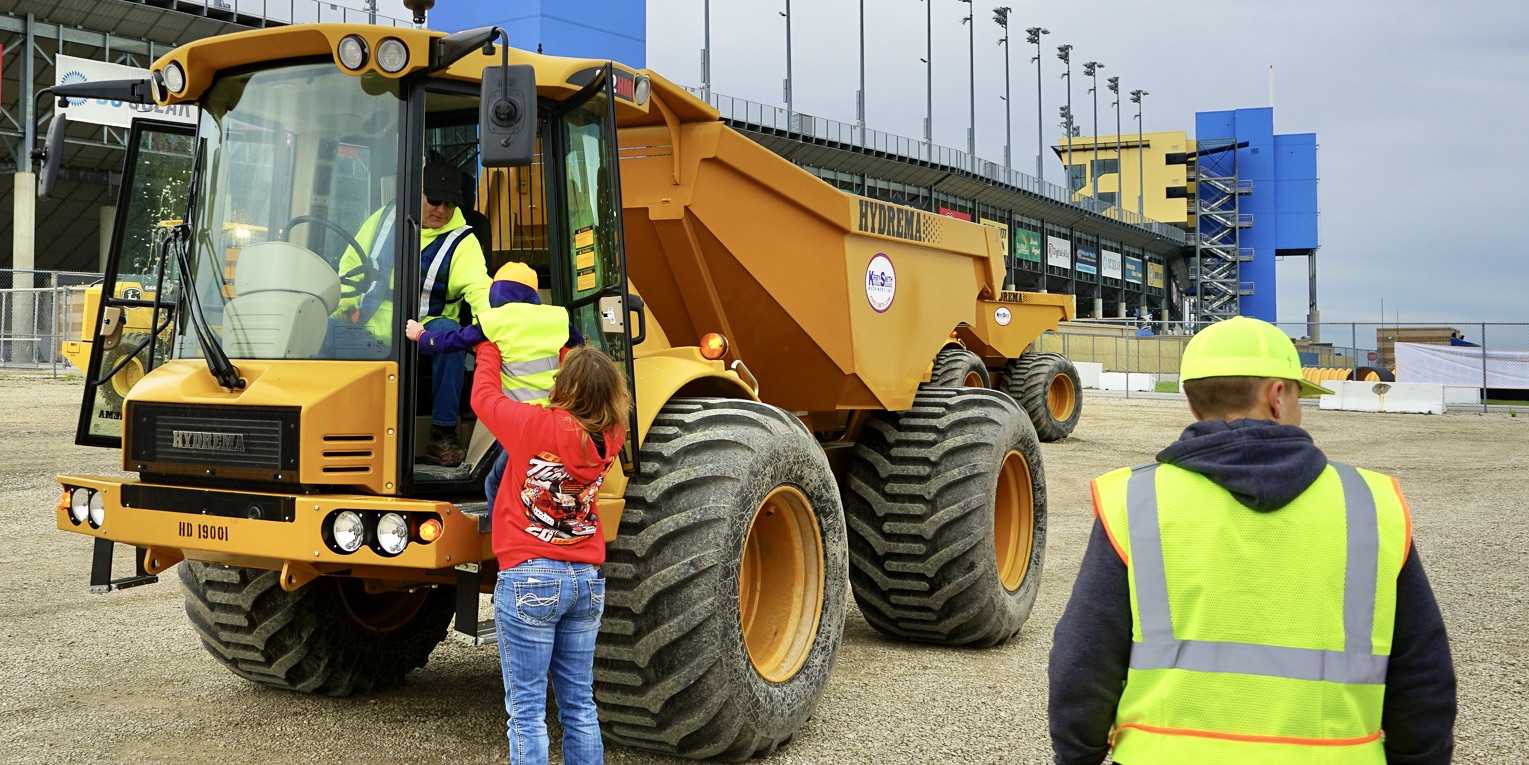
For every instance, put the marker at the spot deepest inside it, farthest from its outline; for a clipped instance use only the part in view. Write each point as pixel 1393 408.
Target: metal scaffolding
pixel 1215 270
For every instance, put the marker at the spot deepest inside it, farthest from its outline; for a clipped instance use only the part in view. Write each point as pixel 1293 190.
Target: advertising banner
pixel 957 214
pixel 1155 275
pixel 1088 258
pixel 1133 270
pixel 70 70
pixel 1109 265
pixel 1003 233
pixel 1027 245
pixel 1058 252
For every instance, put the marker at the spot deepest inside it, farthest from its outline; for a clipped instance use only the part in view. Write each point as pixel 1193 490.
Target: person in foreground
pixel 550 544
pixel 1245 600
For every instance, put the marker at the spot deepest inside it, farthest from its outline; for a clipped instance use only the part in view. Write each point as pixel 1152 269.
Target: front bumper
pixel 270 531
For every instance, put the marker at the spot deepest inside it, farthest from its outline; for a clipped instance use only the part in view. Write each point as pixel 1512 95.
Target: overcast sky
pixel 1418 105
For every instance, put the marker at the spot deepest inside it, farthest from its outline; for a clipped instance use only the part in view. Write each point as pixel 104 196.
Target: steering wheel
pixel 358 279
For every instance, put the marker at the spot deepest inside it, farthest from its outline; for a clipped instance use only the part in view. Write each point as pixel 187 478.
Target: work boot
pixel 444 449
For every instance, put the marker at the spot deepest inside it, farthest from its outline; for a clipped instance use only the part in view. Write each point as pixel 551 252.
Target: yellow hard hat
pixel 1244 347
pixel 515 271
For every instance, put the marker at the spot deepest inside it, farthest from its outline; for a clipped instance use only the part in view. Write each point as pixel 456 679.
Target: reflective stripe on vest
pixel 1356 664
pixel 436 261
pixel 530 338
pixel 380 257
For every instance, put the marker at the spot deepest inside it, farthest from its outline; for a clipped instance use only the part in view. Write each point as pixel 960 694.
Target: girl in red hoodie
pixel 550 544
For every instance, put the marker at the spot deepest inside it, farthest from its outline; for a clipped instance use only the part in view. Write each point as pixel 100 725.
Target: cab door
pixel 589 263
pixel 135 309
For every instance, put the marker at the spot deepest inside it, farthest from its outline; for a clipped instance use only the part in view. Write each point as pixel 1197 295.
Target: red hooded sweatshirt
pixel 546 503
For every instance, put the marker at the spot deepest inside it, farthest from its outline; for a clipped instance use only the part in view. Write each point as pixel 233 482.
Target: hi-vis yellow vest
pixel 530 338
pixel 1257 637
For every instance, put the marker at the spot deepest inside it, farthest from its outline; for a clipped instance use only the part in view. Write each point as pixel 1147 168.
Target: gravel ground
pixel 122 677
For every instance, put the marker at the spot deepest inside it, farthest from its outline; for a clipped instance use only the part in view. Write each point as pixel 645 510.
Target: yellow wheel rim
pixel 1061 397
pixel 780 585
pixel 124 380
pixel 1014 520
pixel 973 380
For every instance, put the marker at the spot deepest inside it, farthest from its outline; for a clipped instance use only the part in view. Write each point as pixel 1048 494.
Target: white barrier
pixel 1406 398
pixel 1136 381
pixel 1088 373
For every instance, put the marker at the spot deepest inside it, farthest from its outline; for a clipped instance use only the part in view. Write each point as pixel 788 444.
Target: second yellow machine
pixel 831 391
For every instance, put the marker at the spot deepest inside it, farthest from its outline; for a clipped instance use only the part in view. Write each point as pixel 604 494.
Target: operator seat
pixel 284 296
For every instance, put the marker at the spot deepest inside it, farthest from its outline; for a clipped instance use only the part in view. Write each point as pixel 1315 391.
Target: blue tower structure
pixel 610 29
pixel 1256 200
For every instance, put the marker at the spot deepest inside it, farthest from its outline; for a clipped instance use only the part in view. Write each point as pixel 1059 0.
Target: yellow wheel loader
pixel 824 383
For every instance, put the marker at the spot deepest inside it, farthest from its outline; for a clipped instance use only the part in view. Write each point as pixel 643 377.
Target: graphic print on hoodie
pixel 559 509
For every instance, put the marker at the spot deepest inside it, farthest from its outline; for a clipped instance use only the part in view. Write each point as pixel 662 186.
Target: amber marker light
pixel 430 530
pixel 713 346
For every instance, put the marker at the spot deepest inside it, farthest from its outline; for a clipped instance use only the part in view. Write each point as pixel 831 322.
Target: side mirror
pixel 507 116
pixel 52 155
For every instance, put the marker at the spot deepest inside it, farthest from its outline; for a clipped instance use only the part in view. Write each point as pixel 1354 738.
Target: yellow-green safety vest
pixel 530 339
pixel 1258 638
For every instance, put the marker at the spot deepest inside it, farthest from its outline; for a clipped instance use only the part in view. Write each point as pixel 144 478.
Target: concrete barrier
pixel 1406 398
pixel 1088 373
pixel 1127 381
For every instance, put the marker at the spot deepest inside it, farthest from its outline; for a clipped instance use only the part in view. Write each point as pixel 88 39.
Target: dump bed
pixel 834 301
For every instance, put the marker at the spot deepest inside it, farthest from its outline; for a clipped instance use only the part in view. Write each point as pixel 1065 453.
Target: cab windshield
pixel 298 170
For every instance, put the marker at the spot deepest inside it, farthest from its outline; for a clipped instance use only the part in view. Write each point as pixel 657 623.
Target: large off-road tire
pixel 1048 387
pixel 946 506
pixel 329 637
pixel 726 587
pixel 958 368
pixel 1373 374
pixel 114 390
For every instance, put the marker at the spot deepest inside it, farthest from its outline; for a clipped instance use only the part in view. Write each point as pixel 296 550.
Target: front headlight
pixel 79 505
pixel 175 77
pixel 392 533
pixel 352 52
pixel 97 509
pixel 392 55
pixel 347 531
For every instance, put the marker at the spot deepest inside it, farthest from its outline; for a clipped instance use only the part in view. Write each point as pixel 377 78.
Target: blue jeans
pixel 447 371
pixel 491 481
pixel 548 615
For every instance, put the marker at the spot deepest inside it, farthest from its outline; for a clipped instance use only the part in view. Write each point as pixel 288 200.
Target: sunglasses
pixel 439 202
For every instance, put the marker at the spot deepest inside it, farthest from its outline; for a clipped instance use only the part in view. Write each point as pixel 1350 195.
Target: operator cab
pixel 300 192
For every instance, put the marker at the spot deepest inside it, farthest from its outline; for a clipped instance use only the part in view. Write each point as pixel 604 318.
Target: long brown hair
pixel 592 389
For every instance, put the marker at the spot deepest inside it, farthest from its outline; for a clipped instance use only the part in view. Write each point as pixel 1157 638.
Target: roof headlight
pixel 353 52
pixel 392 55
pixel 79 505
pixel 392 533
pixel 641 90
pixel 347 531
pixel 97 509
pixel 175 77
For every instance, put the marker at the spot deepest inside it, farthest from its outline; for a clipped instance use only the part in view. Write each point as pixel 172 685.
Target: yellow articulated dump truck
pixel 825 384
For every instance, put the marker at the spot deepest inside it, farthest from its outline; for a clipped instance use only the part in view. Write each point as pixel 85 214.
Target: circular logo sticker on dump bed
pixel 1002 316
pixel 880 283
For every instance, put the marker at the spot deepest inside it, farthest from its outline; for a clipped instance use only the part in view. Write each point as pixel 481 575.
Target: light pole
pixel 971 29
pixel 787 14
pixel 1064 52
pixel 1001 15
pixel 1141 153
pixel 1114 85
pixel 928 60
pixel 706 50
pixel 860 95
pixel 1033 36
pixel 1091 70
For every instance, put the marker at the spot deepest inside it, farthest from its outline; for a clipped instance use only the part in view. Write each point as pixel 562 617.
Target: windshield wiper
pixel 218 364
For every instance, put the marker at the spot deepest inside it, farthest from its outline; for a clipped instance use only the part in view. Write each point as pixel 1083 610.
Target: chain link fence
pixel 39 311
pixel 1479 363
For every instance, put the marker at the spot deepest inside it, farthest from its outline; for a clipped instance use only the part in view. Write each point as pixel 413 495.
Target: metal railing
pixel 768 117
pixel 298 11
pixel 1153 349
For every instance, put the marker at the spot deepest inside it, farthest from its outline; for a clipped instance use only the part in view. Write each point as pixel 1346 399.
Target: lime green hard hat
pixel 1244 347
